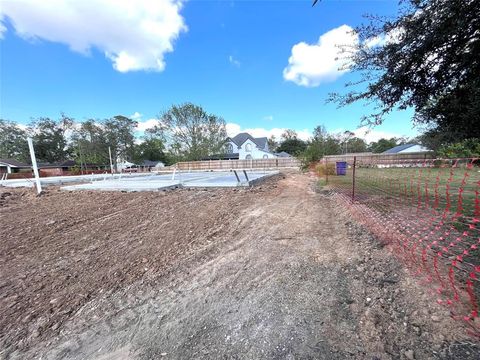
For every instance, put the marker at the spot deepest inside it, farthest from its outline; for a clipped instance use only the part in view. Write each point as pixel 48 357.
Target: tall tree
pixel 192 132
pixel 50 138
pixel 289 134
pixel 293 146
pixel 272 143
pixel 120 136
pixel 384 144
pixel 356 145
pixel 152 146
pixel 13 142
pixel 427 58
pixel 89 143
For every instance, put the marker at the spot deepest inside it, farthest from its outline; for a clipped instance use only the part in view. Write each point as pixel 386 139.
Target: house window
pixel 230 149
pixel 248 157
pixel 248 147
pixel 265 156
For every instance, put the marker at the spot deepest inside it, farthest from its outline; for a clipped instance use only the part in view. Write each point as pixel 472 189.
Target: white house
pixel 406 149
pixel 247 147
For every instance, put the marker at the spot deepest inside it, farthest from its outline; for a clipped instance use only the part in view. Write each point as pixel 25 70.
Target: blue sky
pixel 231 57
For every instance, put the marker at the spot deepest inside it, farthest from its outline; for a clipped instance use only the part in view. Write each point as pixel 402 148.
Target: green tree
pixel 89 144
pixel 321 144
pixel 152 147
pixel 293 146
pixel 383 145
pixel 13 142
pixel 120 137
pixel 356 145
pixel 50 138
pixel 289 134
pixel 468 148
pixel 429 60
pixel 272 143
pixel 193 133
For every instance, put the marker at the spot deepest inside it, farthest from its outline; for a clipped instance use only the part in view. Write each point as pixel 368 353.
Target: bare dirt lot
pixel 270 272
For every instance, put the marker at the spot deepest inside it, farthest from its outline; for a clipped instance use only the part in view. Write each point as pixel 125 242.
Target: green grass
pixel 429 185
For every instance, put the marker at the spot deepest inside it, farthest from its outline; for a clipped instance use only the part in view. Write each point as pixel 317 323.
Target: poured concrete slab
pixel 59 180
pixel 155 182
pixel 125 185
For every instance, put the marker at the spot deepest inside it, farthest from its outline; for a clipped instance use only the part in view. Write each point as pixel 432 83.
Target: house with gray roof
pixel 12 166
pixel 248 147
pixel 406 149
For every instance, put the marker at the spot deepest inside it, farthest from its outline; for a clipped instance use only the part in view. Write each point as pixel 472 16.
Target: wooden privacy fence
pixel 239 164
pixel 379 158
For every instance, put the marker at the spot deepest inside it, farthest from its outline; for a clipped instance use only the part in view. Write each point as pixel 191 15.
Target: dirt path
pixel 272 273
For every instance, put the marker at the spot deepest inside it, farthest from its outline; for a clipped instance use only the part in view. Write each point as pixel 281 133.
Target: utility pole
pixel 110 156
pixel 34 165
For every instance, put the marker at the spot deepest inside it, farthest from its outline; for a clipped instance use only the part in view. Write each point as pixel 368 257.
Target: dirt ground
pixel 271 272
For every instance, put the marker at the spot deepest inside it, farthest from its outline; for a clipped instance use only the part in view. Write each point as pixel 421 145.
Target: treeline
pixel 324 143
pixel 184 132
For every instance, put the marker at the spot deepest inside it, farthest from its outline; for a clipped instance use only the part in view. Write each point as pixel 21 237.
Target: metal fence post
pixel 326 171
pixel 353 178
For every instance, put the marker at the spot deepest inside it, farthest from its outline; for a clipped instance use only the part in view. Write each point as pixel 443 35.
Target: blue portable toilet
pixel 341 167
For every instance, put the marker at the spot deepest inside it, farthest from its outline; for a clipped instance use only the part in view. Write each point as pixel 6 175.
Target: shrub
pixel 463 149
pixel 325 169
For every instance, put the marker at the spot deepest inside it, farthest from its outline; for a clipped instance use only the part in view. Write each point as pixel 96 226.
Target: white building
pixel 247 147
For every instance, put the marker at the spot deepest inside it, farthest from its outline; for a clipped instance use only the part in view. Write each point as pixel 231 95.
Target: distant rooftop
pixel 406 148
pixel 240 138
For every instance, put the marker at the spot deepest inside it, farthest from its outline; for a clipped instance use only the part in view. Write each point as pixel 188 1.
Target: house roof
pixel 240 138
pixel 60 164
pixel 14 163
pixel 283 154
pixel 151 163
pixel 399 148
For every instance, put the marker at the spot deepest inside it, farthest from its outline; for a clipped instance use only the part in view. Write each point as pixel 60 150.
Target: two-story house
pixel 247 147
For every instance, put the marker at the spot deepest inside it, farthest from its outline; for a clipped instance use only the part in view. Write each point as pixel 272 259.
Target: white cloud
pixel 391 37
pixel 371 134
pixel 268 118
pixel 134 35
pixel 147 124
pixel 311 65
pixel 233 129
pixel 375 41
pixel 136 116
pixel 3 29
pixel 234 61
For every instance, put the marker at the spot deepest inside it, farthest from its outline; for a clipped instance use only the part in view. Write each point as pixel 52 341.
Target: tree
pixel 272 143
pixel 50 138
pixel 13 143
pixel 428 58
pixel 89 144
pixel 119 135
pixel 321 144
pixel 356 145
pixel 384 144
pixel 293 146
pixel 289 134
pixel 192 132
pixel 152 147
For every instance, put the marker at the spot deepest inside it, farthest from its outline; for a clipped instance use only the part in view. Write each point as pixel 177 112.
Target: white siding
pixel 255 152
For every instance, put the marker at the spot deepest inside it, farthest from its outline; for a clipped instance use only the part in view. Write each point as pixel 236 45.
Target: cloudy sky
pixel 262 65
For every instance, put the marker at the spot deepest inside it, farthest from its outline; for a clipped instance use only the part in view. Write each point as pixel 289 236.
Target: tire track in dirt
pixel 287 277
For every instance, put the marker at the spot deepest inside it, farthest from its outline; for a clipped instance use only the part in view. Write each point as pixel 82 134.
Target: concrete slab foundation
pixel 155 182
